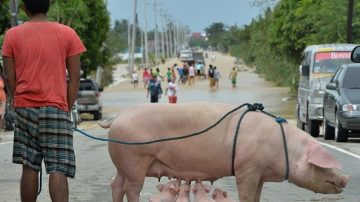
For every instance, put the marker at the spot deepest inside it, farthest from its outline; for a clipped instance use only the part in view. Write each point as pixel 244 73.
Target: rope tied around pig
pixel 251 107
pixel 260 107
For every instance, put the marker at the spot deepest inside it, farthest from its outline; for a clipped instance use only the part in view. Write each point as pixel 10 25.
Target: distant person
pixel 191 74
pixel 159 76
pixel 171 91
pixel 135 79
pixel 211 75
pixel 180 71
pixel 36 56
pixel 213 57
pixel 217 77
pixel 168 75
pixel 173 76
pixel 199 67
pixel 232 76
pixel 154 89
pixel 146 77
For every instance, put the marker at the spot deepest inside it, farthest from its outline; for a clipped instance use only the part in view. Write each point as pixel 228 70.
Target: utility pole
pixel 13 10
pixel 133 40
pixel 146 36
pixel 155 33
pixel 349 21
pixel 129 44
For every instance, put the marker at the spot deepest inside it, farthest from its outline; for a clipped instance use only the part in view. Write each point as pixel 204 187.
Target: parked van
pixel 318 65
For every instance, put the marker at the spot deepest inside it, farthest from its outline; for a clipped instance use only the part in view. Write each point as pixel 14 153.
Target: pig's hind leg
pixel 135 176
pixel 117 187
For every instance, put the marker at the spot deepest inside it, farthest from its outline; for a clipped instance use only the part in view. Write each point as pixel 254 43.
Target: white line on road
pixel 341 150
pixel 3 143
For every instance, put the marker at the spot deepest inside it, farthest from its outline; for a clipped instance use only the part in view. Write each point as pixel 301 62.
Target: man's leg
pixel 29 184
pixel 58 187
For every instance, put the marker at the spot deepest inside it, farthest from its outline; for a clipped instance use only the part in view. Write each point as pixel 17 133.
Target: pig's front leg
pixel 117 187
pixel 247 184
pixel 258 191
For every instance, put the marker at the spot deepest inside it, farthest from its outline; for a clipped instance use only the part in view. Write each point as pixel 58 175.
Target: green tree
pixel 215 34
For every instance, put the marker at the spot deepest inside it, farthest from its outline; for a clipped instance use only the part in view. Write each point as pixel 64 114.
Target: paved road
pixel 95 170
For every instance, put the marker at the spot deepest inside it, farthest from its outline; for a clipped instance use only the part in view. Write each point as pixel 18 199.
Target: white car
pixel 186 55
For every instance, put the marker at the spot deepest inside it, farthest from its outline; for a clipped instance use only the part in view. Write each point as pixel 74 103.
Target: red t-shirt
pixel 40 50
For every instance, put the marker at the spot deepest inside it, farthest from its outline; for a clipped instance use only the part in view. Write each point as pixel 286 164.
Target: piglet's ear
pixel 318 156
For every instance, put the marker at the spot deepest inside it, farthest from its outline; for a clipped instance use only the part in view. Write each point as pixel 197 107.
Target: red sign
pixel 332 56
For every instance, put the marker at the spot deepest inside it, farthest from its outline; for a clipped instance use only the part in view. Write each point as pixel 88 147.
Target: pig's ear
pixel 321 157
pixel 160 187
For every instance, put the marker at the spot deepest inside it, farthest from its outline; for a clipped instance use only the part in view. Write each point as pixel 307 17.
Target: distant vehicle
pixel 186 55
pixel 199 61
pixel 342 103
pixel 318 65
pixel 89 98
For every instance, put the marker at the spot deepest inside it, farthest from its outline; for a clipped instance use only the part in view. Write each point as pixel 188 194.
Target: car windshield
pixel 351 79
pixel 186 52
pixel 329 62
pixel 86 86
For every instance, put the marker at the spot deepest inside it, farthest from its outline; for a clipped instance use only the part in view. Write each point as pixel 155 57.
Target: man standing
pixel 154 89
pixel 36 56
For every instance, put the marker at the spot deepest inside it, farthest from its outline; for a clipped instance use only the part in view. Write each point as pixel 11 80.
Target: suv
pixel 89 98
pixel 319 63
pixel 342 103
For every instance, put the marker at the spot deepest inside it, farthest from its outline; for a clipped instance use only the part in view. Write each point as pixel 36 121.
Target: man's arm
pixel 9 75
pixel 73 68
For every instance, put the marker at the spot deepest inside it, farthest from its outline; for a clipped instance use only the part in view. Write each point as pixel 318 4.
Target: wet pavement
pixel 95 169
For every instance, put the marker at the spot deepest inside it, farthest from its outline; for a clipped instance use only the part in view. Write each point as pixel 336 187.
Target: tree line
pixel 273 42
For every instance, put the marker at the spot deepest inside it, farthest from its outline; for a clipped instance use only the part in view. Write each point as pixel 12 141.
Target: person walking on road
pixel 154 89
pixel 35 74
pixel 135 79
pixel 217 77
pixel 232 76
pixel 146 77
pixel 211 75
pixel 171 91
pixel 191 74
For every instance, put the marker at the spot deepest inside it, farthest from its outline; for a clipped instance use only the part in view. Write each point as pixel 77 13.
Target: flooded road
pixel 95 169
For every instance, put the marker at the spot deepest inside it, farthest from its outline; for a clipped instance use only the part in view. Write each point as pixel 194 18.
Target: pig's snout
pixel 337 186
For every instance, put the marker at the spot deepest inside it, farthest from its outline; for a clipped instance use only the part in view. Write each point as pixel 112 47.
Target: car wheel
pixel 97 115
pixel 313 127
pixel 328 131
pixel 341 134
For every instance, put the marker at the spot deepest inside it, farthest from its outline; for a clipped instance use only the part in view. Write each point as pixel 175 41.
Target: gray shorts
pixel 44 134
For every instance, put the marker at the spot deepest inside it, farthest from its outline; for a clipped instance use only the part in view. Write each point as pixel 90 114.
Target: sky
pixel 197 14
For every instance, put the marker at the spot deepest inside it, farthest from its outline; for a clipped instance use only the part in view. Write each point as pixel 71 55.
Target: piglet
pixel 221 196
pixel 200 192
pixel 168 192
pixel 184 193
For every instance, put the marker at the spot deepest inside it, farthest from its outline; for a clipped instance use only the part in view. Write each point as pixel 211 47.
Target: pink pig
pixel 184 193
pixel 221 196
pixel 167 192
pixel 259 146
pixel 200 192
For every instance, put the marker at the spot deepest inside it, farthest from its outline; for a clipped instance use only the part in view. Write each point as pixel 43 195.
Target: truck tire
pixel 341 134
pixel 312 127
pixel 97 115
pixel 328 131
